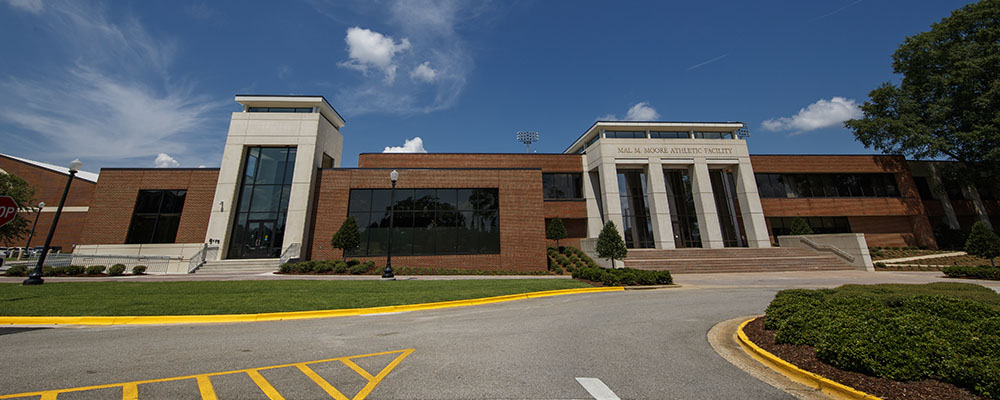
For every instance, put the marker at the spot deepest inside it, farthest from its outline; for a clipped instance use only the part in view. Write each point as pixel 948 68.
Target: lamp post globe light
pixel 35 277
pixel 27 246
pixel 387 272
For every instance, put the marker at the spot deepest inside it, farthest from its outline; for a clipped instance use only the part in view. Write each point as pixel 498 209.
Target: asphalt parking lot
pixel 634 344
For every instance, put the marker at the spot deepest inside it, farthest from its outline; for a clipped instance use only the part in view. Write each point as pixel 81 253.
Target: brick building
pixel 280 194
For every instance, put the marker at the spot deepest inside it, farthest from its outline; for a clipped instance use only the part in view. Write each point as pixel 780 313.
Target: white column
pixel 750 208
pixel 609 188
pixel 704 205
pixel 595 220
pixel 972 194
pixel 936 188
pixel 659 210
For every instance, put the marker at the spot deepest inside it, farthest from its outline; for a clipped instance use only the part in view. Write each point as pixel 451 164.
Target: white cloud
pixel 415 145
pixel 819 115
pixel 115 100
pixel 32 6
pixel 640 111
pixel 432 33
pixel 163 160
pixel 367 49
pixel 424 72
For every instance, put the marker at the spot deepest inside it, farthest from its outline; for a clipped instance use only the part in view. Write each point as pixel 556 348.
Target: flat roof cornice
pixel 654 124
pixel 328 111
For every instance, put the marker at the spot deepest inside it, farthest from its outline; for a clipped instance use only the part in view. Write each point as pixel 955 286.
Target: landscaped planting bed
pixel 991 273
pixel 933 341
pixel 956 260
pixel 883 253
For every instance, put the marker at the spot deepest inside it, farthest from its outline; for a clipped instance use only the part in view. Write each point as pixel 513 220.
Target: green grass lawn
pixel 242 297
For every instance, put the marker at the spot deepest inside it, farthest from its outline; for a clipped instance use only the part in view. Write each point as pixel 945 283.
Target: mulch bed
pixel 804 356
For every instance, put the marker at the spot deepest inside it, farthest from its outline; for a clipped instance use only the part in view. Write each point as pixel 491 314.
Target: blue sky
pixel 143 84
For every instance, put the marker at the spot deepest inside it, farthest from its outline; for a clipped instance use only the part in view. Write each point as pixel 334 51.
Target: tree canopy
pixel 983 242
pixel 946 104
pixel 24 195
pixel 610 243
pixel 556 230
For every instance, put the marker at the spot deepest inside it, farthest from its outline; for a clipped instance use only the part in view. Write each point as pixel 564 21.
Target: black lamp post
pixel 27 246
pixel 387 272
pixel 35 277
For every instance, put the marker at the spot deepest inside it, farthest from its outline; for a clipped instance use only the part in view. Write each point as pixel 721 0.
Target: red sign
pixel 8 210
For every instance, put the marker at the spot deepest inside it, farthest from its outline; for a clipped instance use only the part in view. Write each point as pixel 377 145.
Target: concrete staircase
pixel 684 261
pixel 240 266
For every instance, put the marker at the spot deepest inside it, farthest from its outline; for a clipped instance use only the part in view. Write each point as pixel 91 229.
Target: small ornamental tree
pixel 556 230
pixel 983 242
pixel 801 227
pixel 610 243
pixel 348 237
pixel 23 194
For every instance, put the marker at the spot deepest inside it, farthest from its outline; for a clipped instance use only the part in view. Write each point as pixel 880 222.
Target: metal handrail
pixel 201 257
pixel 825 247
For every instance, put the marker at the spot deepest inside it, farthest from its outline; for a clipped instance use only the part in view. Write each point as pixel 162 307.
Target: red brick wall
pixel 906 215
pixel 522 229
pixel 566 209
pixel 49 186
pixel 547 162
pixel 114 199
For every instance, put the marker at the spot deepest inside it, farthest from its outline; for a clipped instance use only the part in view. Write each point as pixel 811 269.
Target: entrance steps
pixel 773 259
pixel 248 266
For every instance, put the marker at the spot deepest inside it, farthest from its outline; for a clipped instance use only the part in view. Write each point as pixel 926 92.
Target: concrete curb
pixel 282 316
pixel 829 387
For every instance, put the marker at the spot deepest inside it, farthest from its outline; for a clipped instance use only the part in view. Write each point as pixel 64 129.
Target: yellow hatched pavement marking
pixel 130 390
pixel 205 387
pixel 265 386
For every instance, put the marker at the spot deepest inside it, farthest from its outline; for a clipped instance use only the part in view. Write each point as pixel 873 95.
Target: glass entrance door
pixel 259 241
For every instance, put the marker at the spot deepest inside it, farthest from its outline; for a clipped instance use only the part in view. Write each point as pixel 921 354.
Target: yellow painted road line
pixel 357 368
pixel 130 389
pixel 284 316
pixel 834 389
pixel 332 391
pixel 205 387
pixel 378 378
pixel 264 385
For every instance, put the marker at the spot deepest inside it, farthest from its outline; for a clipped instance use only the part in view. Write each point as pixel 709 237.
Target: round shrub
pixel 360 268
pixel 323 267
pixel 116 270
pixel 16 270
pixel 558 270
pixel 304 267
pixel 339 267
pixel 286 268
pixel 352 262
pixel 95 269
pixel 72 270
pixel 139 270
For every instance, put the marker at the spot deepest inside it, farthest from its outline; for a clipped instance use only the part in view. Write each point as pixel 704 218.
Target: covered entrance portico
pixel 670 185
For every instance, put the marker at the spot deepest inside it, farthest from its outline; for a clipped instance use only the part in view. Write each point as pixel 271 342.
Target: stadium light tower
pixel 527 138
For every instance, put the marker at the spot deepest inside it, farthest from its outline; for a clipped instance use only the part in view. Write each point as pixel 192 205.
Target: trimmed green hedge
pixel 623 276
pixel 944 331
pixel 984 272
pixel 568 258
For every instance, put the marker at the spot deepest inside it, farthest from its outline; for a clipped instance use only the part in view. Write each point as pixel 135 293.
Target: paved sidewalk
pixel 905 259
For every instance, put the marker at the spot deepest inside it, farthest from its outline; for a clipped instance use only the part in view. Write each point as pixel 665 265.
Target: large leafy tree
pixel 24 195
pixel 947 104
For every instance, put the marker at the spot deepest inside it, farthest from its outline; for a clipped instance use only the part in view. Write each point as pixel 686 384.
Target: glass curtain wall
pixel 263 203
pixel 683 217
pixel 724 192
pixel 635 209
pixel 427 221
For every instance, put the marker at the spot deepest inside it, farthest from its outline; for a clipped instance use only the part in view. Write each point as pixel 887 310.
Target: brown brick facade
pixel 885 221
pixel 114 200
pixel 49 186
pixel 522 230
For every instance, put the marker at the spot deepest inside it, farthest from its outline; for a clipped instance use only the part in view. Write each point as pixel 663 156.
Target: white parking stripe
pixel 598 389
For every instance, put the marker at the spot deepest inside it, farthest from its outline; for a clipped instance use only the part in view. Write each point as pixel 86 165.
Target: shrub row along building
pixel 666 185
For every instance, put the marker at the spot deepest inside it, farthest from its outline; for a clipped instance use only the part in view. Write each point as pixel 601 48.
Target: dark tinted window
pixel 669 135
pixel 783 225
pixel 562 186
pixel 281 109
pixel 826 185
pixel 625 134
pixel 427 221
pixel 156 215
